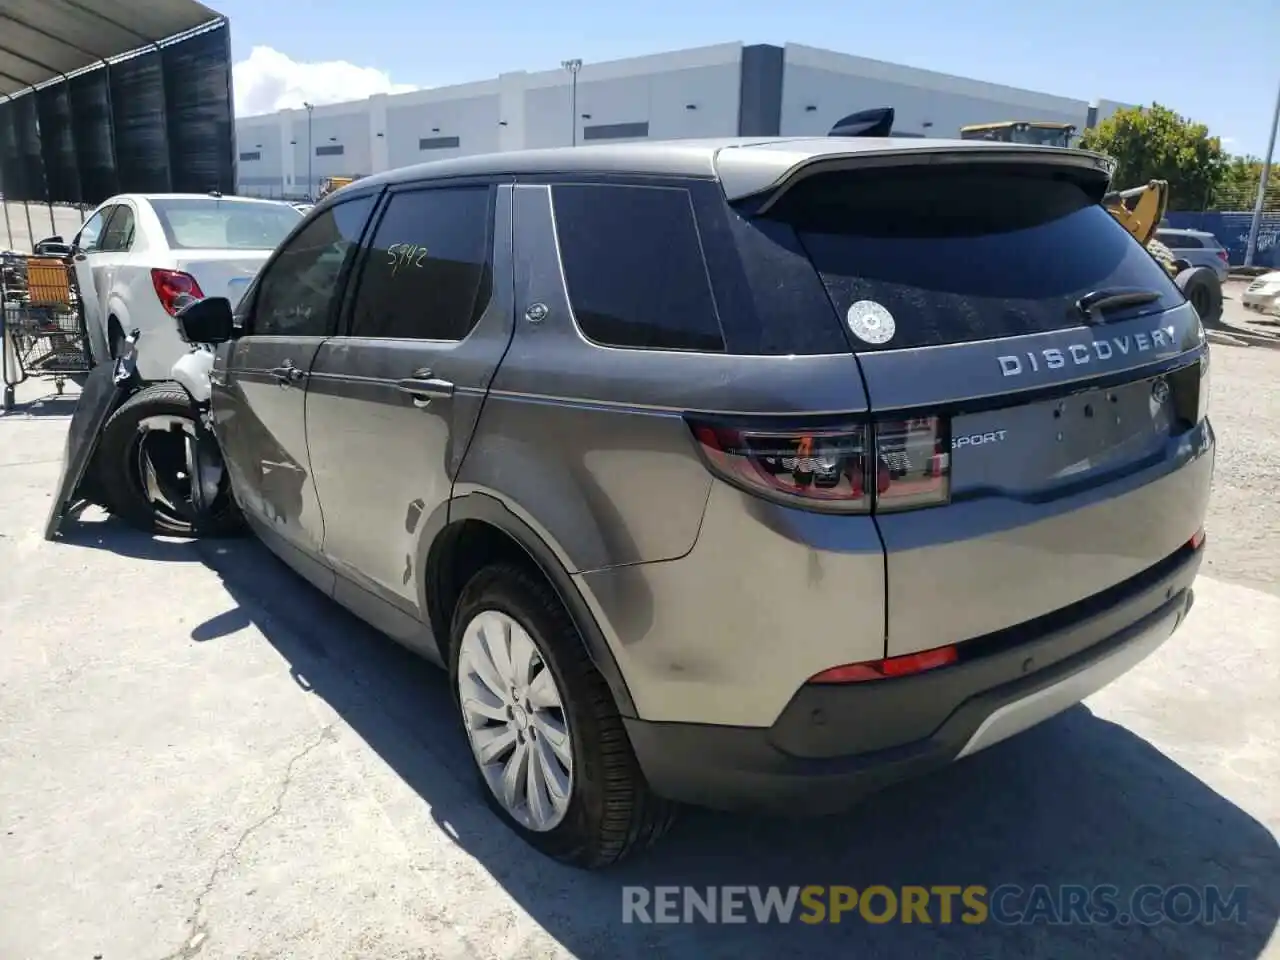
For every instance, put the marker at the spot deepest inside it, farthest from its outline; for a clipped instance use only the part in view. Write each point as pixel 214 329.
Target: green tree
pixel 1154 143
pixel 1238 189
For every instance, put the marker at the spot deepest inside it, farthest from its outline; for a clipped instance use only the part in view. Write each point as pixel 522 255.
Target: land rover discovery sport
pixel 746 473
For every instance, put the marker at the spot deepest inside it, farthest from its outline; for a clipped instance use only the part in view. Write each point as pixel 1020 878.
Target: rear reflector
pixel 1197 541
pixel 904 666
pixel 888 465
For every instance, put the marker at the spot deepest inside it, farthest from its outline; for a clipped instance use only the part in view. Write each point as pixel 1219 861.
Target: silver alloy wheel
pixel 515 720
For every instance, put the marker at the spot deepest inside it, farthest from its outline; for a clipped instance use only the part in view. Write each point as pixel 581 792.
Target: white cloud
pixel 270 80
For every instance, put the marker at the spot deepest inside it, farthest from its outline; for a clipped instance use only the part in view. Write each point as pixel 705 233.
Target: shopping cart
pixel 42 331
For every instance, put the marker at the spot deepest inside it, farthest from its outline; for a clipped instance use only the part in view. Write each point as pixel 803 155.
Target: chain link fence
pixel 1238 198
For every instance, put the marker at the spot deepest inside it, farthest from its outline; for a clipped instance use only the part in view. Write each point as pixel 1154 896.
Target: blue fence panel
pixel 1232 231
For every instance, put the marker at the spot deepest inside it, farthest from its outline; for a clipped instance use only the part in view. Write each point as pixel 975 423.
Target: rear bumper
pixel 834 744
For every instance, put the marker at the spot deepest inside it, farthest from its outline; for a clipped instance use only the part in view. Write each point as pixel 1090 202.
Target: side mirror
pixel 206 321
pixel 53 246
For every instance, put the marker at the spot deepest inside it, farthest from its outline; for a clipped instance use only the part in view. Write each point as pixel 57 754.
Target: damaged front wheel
pixel 160 471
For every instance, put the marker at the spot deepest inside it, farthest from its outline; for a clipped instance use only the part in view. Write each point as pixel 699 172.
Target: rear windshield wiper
pixel 1094 305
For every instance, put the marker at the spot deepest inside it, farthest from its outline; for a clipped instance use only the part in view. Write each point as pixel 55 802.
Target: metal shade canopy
pixel 44 40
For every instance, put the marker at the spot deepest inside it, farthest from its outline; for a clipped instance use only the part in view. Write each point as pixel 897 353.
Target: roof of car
pixel 744 165
pixel 148 197
pixel 1186 231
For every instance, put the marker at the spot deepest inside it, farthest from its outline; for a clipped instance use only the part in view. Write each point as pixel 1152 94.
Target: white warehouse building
pixel 729 89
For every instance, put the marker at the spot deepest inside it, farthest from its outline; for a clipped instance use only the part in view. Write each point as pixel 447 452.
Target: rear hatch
pixel 1044 378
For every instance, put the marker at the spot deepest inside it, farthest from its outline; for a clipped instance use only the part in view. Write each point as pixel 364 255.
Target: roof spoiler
pixel 877 122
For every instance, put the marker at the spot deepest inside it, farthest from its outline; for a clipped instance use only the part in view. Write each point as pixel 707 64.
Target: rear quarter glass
pixel 962 254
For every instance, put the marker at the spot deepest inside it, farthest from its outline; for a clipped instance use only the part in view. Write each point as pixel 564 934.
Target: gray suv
pixel 738 473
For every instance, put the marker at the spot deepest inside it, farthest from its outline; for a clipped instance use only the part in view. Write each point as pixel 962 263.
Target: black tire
pixel 116 471
pixel 1201 286
pixel 612 811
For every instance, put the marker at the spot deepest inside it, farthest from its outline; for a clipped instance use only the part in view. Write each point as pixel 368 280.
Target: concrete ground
pixel 200 756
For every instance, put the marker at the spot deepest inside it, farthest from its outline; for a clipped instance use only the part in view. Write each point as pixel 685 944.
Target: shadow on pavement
pixel 50 405
pixel 1078 800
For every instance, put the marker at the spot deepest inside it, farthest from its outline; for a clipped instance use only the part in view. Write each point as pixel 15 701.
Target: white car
pixel 140 258
pixel 1263 294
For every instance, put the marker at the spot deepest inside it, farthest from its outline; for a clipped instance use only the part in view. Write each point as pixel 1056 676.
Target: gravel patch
pixel 1244 510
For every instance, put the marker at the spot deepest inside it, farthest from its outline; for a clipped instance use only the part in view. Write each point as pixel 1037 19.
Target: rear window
pixel 199 224
pixel 966 253
pixel 634 267
pixel 1179 241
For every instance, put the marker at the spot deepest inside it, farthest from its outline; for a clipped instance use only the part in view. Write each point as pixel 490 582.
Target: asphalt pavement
pixel 201 756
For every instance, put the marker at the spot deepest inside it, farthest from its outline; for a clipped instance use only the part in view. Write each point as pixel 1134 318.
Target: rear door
pixel 391 404
pixel 1003 320
pixel 259 382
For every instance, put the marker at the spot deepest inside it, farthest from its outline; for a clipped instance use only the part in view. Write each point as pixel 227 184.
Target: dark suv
pixel 738 473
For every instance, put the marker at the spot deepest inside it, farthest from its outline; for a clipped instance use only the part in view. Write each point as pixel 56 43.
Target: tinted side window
pixel 427 273
pixel 966 254
pixel 297 295
pixel 91 232
pixel 118 237
pixel 1179 241
pixel 634 268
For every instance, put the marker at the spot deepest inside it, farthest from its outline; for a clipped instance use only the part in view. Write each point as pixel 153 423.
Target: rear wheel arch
pixel 476 531
pixel 115 335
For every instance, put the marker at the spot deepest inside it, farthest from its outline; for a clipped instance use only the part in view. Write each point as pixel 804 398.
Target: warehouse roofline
pixel 47 40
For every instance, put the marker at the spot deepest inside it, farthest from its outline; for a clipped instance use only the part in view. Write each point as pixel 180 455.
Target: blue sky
pixel 1217 63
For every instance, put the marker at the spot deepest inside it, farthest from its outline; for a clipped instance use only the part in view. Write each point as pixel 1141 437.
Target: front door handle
pixel 424 388
pixel 287 374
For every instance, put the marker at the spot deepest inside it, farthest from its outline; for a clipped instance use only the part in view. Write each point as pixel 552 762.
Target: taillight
pixel 1206 384
pixel 1222 255
pixel 859 468
pixel 903 666
pixel 918 456
pixel 175 289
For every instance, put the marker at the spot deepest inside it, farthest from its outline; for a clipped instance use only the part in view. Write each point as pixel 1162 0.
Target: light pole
pixel 573 66
pixel 1262 188
pixel 310 151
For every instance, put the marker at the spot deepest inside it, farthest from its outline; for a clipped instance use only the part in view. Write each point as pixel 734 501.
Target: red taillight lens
pixel 175 289
pixel 890 465
pixel 815 468
pixel 1222 255
pixel 1197 539
pixel 904 666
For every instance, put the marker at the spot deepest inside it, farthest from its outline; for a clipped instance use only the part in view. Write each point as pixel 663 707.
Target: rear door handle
pixel 424 388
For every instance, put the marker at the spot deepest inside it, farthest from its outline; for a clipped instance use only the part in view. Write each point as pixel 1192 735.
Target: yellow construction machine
pixel 1044 134
pixel 330 184
pixel 1140 210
